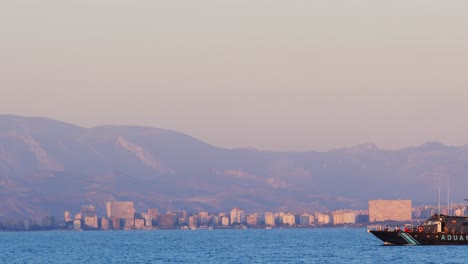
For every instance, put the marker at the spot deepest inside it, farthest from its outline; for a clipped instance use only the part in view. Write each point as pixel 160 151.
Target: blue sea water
pixel 346 245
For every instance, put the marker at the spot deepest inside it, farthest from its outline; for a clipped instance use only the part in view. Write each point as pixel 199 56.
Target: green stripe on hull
pixel 409 239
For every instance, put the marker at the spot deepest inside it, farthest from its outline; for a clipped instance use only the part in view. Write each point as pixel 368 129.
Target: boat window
pixel 428 223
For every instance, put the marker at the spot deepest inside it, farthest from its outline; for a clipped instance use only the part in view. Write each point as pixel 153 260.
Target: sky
pixel 274 75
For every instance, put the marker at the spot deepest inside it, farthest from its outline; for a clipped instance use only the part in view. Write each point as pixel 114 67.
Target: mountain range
pixel 48 166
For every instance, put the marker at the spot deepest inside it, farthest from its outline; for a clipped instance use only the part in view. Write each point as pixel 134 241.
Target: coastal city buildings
pixel 120 210
pixel 121 215
pixel 389 210
pixel 343 217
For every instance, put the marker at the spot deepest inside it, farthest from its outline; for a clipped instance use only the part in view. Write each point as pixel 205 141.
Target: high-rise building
pixel 120 210
pixel 78 216
pixel 220 218
pixel 338 217
pixel 349 217
pixel 88 210
pixel 139 223
pixel 67 217
pixel 269 219
pixel 214 220
pixel 128 224
pixel 204 217
pixel 344 217
pixel 389 210
pixel 89 217
pixel 237 216
pixel 306 219
pixel 115 223
pixel 77 224
pixel 193 222
pixel 322 218
pixel 224 221
pixel 252 219
pixel 148 219
pixel 90 222
pixel 105 224
pixel 180 216
pixel 153 212
pixel 166 220
pixel 203 214
pixel 289 219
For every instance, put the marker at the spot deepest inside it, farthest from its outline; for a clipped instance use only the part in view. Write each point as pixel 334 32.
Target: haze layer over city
pixel 273 75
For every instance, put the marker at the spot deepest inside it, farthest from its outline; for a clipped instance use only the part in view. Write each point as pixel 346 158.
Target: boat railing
pixel 388 228
pixel 405 229
pixel 383 228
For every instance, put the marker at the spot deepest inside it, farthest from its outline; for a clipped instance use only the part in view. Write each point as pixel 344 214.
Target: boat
pixel 439 229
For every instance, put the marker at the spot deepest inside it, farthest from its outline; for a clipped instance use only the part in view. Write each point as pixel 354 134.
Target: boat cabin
pixel 445 224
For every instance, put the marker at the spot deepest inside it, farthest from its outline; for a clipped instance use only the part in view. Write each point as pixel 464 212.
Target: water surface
pixel 217 246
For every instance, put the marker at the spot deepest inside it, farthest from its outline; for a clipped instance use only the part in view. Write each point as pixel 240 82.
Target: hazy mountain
pixel 47 166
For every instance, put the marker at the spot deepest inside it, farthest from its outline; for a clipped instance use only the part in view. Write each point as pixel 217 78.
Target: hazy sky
pixel 276 75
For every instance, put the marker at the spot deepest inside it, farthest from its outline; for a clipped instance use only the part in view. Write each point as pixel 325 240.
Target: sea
pixel 314 245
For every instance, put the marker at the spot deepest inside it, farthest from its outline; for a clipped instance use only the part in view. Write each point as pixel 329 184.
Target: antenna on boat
pixel 448 194
pixel 439 193
pixel 466 207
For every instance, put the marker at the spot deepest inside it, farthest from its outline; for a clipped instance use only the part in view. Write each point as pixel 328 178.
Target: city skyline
pixel 381 212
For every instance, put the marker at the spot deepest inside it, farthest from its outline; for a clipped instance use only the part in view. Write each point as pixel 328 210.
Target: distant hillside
pixel 47 166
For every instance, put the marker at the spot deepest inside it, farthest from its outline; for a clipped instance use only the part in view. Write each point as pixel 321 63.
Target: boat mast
pixel 439 193
pixel 448 194
pixel 466 207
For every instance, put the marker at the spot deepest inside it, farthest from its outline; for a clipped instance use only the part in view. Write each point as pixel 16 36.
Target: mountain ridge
pixel 52 166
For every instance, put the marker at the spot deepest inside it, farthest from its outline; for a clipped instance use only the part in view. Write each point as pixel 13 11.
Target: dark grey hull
pixel 420 238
